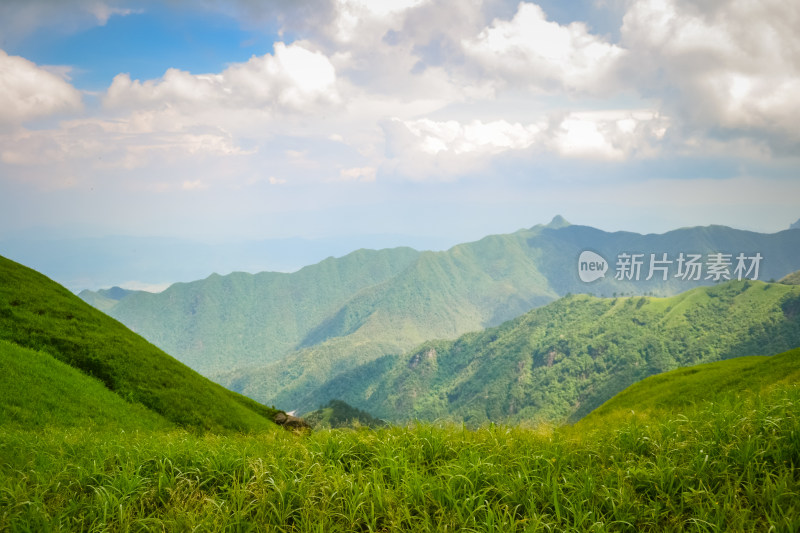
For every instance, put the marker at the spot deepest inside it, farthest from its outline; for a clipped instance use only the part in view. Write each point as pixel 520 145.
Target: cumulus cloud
pixel 726 68
pixel 293 79
pixel 113 144
pixel 426 148
pixel 474 137
pixel 613 135
pixel 28 91
pixel 531 51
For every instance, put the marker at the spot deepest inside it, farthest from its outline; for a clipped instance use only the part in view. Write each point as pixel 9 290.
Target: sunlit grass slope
pixel 725 466
pixel 38 391
pixel 678 390
pixel 44 317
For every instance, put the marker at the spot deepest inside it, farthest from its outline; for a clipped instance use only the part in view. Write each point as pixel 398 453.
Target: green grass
pixel 730 465
pixel 682 388
pixel 45 318
pixel 37 390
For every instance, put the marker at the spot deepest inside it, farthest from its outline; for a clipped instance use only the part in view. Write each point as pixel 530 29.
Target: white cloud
pixel 424 148
pixel 194 185
pixel 293 79
pixel 609 135
pixel 102 11
pixel 532 51
pixel 28 91
pixel 474 137
pixel 113 144
pixel 363 174
pixel 726 68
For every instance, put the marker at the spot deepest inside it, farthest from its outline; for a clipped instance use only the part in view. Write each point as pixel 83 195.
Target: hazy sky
pixel 248 119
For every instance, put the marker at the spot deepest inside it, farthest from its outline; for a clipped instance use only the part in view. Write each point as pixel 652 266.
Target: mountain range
pixel 559 362
pixel 290 339
pixel 103 431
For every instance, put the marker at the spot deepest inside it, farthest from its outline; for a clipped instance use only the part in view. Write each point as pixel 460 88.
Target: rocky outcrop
pixel 290 422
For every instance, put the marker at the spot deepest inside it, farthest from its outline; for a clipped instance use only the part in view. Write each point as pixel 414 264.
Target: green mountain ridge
pixel 62 358
pixel 559 362
pixel 338 414
pixel 280 337
pixel 791 279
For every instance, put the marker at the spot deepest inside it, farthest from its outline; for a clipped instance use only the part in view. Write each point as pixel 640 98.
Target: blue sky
pixel 232 120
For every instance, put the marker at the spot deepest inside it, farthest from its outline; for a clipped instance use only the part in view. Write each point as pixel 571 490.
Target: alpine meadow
pixel 399 266
pixel 546 421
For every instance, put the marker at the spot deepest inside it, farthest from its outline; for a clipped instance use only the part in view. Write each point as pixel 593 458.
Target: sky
pixel 225 121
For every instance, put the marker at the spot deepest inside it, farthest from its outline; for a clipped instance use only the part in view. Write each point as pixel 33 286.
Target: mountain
pixel 244 319
pixel 278 337
pixel 104 299
pixel 791 279
pixel 338 414
pixel 796 225
pixel 63 360
pixel 152 263
pixel 681 389
pixel 561 361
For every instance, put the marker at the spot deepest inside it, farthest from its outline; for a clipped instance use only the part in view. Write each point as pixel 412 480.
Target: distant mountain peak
pixel 558 222
pixel 796 225
pixel 791 279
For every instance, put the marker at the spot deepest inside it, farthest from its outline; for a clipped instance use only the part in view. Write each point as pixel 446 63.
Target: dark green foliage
pixel 339 414
pixel 49 321
pixel 561 361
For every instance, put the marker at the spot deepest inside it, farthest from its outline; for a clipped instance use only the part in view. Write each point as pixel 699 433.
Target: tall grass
pixel 725 466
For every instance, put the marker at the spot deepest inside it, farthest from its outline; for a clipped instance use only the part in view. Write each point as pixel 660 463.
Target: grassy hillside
pixel 561 361
pixel 791 279
pixel 65 464
pixel 40 319
pixel 38 391
pixel 726 466
pixel 681 389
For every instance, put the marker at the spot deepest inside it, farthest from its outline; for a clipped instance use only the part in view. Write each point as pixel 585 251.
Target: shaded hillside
pixel 561 361
pixel 683 389
pixel 40 319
